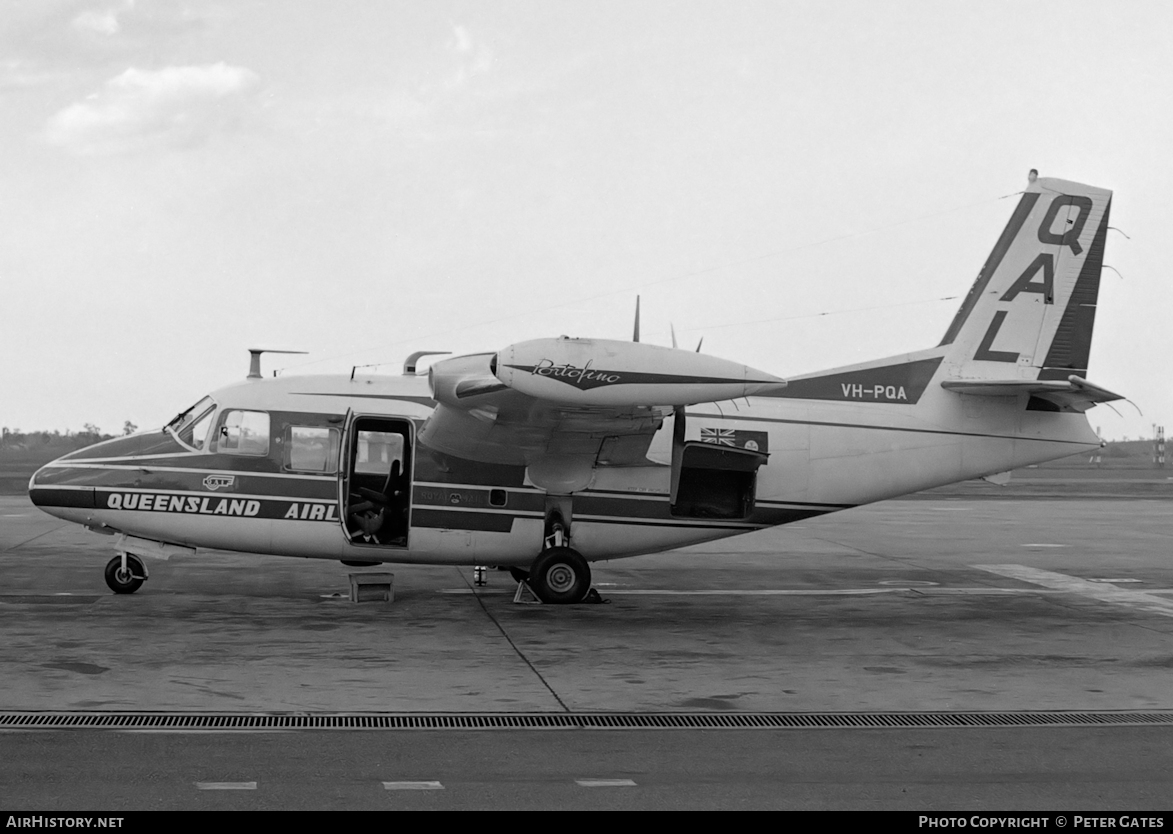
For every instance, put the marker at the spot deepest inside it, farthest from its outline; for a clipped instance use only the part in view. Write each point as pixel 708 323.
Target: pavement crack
pixel 33 539
pixel 509 640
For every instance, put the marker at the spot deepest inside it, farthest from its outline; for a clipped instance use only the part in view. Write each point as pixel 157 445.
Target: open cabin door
pixel 374 481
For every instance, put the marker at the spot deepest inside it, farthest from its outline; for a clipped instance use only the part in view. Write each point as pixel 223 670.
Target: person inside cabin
pixel 378 512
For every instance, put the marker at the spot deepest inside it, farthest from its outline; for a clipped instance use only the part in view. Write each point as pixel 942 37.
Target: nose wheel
pixel 125 574
pixel 560 576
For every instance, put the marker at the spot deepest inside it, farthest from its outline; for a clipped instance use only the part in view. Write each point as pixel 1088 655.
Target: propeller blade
pixel 635 336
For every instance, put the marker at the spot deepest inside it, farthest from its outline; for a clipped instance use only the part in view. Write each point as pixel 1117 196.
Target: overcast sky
pixel 804 184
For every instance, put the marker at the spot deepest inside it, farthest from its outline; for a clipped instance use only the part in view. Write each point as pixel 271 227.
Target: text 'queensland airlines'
pixel 550 454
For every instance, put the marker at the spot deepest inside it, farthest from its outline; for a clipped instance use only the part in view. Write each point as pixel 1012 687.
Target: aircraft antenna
pixel 635 336
pixel 254 364
pixel 412 361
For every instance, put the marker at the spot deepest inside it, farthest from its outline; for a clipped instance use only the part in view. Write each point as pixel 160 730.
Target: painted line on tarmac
pixel 761 592
pixel 753 592
pixel 1139 600
pixel 793 592
pixel 412 786
pixel 844 592
pixel 605 783
pixel 987 592
pixel 226 786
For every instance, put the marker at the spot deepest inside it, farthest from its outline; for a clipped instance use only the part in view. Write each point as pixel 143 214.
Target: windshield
pixel 191 426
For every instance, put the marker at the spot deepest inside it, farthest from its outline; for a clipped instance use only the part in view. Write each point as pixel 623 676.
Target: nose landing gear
pixel 125 573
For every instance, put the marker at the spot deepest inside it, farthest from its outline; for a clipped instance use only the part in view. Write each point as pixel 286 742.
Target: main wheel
pixel 128 581
pixel 560 576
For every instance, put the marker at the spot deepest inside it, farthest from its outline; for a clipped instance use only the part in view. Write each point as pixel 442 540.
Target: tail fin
pixel 1030 313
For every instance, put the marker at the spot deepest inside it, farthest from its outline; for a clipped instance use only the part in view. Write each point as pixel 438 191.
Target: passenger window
pixel 243 433
pixel 309 449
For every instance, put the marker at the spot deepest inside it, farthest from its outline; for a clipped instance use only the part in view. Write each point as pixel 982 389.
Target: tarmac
pixel 933 605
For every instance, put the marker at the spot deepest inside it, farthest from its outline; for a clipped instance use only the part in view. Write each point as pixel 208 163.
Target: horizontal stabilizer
pixel 1074 394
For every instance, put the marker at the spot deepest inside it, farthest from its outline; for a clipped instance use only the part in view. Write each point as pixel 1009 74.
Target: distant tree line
pixel 15 439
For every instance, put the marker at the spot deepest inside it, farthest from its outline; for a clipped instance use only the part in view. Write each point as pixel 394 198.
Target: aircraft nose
pixel 37 487
pixel 54 489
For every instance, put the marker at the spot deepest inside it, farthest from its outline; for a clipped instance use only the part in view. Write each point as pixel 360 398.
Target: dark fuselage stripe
pixel 183 503
pixel 423 516
pixel 195 481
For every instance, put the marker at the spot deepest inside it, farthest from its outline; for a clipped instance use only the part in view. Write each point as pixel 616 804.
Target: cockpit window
pixel 199 429
pixel 191 426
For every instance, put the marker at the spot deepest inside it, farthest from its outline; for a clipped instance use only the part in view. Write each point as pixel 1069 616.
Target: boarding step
pixel 372 587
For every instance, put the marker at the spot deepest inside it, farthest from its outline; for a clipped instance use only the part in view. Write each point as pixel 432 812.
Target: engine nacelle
pixel 601 372
pixel 455 380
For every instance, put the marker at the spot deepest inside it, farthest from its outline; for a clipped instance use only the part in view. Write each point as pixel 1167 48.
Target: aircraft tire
pixel 120 583
pixel 560 576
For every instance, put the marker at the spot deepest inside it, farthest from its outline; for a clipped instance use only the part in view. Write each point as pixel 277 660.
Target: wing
pixel 566 403
pixel 1074 394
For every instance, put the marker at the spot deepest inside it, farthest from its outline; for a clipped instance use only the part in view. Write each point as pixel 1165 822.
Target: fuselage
pixel 279 466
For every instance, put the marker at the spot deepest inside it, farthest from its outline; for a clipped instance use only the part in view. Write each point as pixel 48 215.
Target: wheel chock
pixel 525 595
pixel 592 598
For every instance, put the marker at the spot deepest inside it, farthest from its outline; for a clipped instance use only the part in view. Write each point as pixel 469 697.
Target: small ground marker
pixel 605 783
pixel 226 786
pixel 412 786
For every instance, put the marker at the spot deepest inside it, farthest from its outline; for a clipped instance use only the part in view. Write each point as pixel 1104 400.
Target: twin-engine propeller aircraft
pixel 551 454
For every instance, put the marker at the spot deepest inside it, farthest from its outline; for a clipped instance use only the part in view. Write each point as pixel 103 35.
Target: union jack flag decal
pixel 757 441
pixel 722 437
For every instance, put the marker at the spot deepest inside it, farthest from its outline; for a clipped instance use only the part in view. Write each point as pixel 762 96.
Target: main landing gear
pixel 560 576
pixel 125 573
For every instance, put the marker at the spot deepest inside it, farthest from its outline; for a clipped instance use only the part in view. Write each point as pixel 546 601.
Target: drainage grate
pixel 566 721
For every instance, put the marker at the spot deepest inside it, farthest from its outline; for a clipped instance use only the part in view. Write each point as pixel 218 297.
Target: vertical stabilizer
pixel 1030 313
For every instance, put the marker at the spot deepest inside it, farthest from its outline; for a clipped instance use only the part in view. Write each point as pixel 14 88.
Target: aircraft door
pixel 375 481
